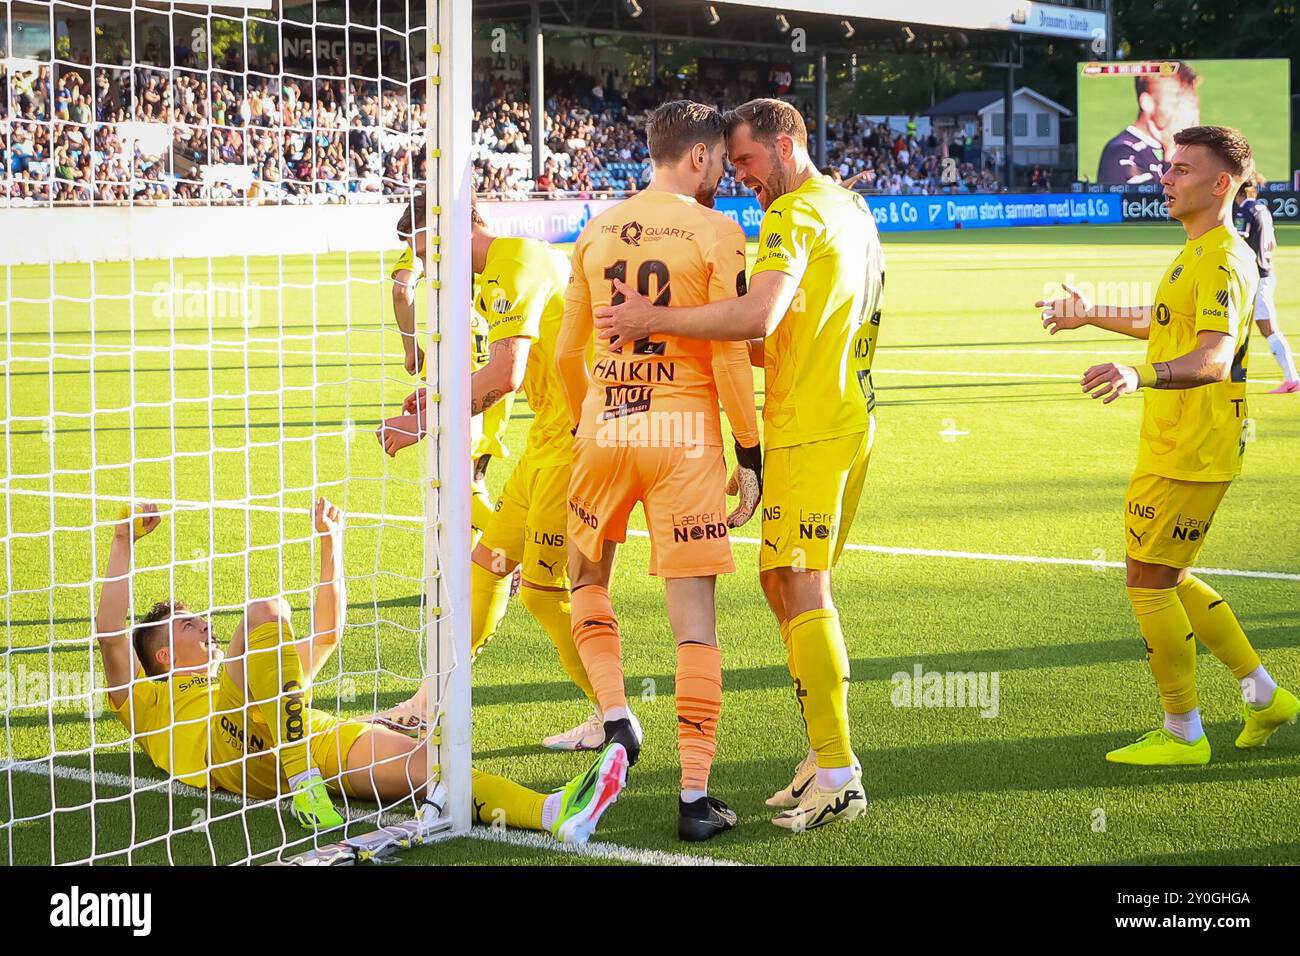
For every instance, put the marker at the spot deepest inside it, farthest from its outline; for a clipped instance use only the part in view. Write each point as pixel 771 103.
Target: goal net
pixel 200 209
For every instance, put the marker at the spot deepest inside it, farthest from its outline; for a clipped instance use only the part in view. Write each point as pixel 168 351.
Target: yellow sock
pixel 789 653
pixel 276 684
pixel 822 663
pixel 497 799
pixel 1217 627
pixel 1171 646
pixel 488 596
pixel 551 610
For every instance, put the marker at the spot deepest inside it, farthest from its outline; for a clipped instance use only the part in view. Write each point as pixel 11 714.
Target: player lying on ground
pixel 191 711
pixel 521 303
pixel 814 301
pixel 1257 229
pixel 1192 442
pixel 648 431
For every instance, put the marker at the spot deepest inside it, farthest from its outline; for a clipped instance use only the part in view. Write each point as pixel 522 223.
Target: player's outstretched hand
pixel 414 359
pixel 1108 382
pixel 136 521
pixel 746 482
pixel 399 432
pixel 328 518
pixel 1072 312
pixel 625 321
pixel 418 400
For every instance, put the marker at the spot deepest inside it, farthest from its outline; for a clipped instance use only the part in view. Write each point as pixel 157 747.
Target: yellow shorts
pixel 529 525
pixel 682 490
pixel 257 775
pixel 810 497
pixel 1167 519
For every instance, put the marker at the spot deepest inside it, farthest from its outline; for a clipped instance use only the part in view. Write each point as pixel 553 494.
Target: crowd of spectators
pixel 109 135
pixel 80 134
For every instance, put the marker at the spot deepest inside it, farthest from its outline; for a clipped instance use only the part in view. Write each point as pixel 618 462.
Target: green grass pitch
pixel 985 446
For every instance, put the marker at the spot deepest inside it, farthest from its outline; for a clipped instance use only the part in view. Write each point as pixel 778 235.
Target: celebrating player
pixel 193 712
pixel 648 431
pixel 521 305
pixel 1193 438
pixel 814 299
pixel 1256 226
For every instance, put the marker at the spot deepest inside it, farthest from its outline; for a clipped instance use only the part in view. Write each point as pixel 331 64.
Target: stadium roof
pixel 754 22
pixel 973 102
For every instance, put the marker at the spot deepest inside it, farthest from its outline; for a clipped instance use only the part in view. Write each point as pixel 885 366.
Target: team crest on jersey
pixel 631 233
pixel 1173 276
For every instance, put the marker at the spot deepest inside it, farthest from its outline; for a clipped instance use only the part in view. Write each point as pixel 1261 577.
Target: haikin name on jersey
pixel 77 909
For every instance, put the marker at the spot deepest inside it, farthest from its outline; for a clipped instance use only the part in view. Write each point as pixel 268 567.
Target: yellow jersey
pixel 818 361
pixel 521 293
pixel 490 440
pixel 1197 434
pixel 169 718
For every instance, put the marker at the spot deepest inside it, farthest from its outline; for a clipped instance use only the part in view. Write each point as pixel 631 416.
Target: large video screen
pixel 1129 113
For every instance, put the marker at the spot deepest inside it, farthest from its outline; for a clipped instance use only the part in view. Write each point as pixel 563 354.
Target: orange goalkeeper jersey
pixel 663 390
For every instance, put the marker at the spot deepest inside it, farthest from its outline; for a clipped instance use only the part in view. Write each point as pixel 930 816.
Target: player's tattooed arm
pixel 503 373
pixel 751 316
pixel 478 405
pixel 1211 361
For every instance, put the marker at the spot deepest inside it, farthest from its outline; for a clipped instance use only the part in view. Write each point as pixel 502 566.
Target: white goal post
pixel 201 207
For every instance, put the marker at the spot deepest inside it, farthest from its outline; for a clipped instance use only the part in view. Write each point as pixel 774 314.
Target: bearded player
pixel 519 307
pixel 245 724
pixel 648 431
pixel 814 299
pixel 1191 446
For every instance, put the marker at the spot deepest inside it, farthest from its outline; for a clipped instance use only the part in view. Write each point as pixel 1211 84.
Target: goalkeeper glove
pixel 747 483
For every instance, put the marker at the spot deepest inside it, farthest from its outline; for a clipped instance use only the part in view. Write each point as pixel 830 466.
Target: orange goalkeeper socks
pixel 699 704
pixel 595 634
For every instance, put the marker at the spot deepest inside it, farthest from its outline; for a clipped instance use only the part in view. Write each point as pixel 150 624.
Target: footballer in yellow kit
pixel 518 308
pixel 487 434
pixel 1193 437
pixel 817 416
pixel 243 722
pixel 813 299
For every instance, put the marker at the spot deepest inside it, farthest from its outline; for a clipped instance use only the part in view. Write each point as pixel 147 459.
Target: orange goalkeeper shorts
pixel 681 489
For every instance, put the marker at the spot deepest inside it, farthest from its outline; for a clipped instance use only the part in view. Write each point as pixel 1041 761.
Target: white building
pixel 1036 129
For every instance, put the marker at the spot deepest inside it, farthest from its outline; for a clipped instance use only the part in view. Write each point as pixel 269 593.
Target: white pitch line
pixel 944 372
pixel 851 546
pixel 944 350
pixel 1019 558
pixel 520 838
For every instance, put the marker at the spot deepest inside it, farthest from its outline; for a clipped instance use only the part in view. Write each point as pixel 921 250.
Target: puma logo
pixel 1139 537
pixel 773 546
pixel 548 565
pixel 698 725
